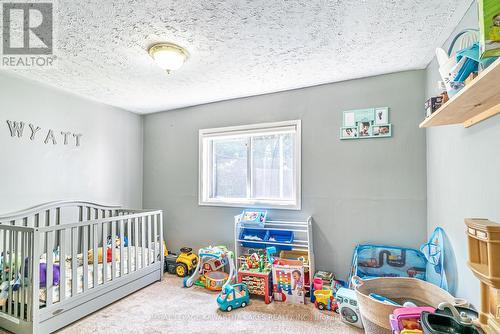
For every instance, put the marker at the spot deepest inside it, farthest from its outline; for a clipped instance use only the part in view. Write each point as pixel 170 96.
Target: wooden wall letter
pixel 50 137
pixel 34 130
pixel 77 138
pixel 65 135
pixel 16 128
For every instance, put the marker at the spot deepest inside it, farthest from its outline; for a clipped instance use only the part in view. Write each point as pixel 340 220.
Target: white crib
pixel 61 243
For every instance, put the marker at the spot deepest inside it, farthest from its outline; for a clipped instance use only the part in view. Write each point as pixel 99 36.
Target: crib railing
pixel 57 256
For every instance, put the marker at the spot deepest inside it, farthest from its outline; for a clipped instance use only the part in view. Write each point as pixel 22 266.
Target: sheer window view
pixel 258 166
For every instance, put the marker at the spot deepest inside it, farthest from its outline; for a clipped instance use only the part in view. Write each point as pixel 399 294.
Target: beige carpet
pixel 166 307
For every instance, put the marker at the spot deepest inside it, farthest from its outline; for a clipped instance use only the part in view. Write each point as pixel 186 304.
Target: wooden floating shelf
pixel 476 102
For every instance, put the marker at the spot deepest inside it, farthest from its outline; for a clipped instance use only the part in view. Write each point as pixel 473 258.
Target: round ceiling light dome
pixel 168 56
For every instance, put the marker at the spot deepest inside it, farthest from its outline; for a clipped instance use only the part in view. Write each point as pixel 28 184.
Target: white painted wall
pixel 357 191
pixel 106 168
pixel 462 179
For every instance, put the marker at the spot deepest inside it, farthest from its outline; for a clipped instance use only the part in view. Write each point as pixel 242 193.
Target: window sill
pixel 253 204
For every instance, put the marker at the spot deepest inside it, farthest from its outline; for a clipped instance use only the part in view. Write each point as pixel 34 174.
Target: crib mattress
pixel 135 264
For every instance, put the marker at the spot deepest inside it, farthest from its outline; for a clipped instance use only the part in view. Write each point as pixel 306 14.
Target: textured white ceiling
pixel 238 47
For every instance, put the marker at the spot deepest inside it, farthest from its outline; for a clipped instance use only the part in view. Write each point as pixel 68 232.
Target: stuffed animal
pixel 90 255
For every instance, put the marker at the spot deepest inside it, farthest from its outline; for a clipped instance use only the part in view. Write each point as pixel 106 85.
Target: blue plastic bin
pixel 262 234
pixel 280 236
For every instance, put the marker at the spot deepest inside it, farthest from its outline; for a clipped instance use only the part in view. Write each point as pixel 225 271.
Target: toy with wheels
pixel 212 259
pixel 182 264
pixel 233 296
pixel 324 300
pixel 186 262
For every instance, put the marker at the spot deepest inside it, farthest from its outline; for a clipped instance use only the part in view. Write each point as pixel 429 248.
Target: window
pixel 251 166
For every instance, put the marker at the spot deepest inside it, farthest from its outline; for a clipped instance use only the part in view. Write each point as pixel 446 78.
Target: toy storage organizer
pixel 284 235
pixel 59 254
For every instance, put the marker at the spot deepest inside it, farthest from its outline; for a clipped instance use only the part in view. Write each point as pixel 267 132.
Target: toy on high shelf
pixel 209 272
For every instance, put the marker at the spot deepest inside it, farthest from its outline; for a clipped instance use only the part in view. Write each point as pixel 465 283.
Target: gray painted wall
pixel 107 168
pixel 462 179
pixel 358 191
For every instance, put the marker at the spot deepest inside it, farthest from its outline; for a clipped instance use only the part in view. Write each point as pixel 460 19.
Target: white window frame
pixel 204 160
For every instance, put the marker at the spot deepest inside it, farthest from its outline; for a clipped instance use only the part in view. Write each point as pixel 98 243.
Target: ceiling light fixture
pixel 168 56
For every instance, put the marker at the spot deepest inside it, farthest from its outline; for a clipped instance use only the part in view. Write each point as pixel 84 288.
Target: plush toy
pixel 43 274
pixel 90 255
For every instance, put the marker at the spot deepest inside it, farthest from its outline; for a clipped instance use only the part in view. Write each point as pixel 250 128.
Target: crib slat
pixel 22 288
pixel 122 241
pixel 148 240
pixel 136 243
pixel 104 251
pixel 143 241
pixel 156 240
pixel 16 273
pixel 129 248
pixel 85 258
pixel 113 249
pixel 95 260
pixel 160 234
pixel 4 260
pixel 12 269
pixel 58 216
pixel 30 257
pixel 74 263
pixel 35 278
pixel 49 286
pixel 62 265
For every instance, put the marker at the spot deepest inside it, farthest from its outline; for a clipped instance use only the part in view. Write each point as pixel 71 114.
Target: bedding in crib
pixel 135 264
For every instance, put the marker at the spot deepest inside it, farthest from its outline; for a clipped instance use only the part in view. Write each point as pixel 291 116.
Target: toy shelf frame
pixel 302 231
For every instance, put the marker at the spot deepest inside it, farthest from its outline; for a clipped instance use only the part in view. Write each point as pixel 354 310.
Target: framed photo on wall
pixel 366 123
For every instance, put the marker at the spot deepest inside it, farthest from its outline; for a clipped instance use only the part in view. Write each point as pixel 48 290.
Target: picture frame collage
pixel 366 123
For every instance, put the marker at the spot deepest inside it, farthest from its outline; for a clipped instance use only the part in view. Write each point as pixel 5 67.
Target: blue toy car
pixel 234 296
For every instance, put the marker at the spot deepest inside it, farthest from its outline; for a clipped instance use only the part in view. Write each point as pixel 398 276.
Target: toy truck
pixel 324 300
pixel 182 264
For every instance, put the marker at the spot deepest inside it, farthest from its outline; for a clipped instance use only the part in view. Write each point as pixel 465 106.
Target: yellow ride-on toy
pixel 182 264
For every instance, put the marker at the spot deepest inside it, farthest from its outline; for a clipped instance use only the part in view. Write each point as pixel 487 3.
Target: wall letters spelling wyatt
pixel 48 136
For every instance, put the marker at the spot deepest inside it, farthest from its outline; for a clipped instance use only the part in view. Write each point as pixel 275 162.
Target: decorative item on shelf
pixel 432 104
pixel 366 123
pixel 489 28
pixel 456 67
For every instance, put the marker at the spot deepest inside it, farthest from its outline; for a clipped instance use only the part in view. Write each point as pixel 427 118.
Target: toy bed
pixel 52 254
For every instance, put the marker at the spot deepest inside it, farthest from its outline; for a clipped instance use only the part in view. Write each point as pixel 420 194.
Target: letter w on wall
pixel 16 128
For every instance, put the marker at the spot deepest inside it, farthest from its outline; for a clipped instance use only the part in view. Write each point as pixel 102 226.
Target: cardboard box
pixel 288 281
